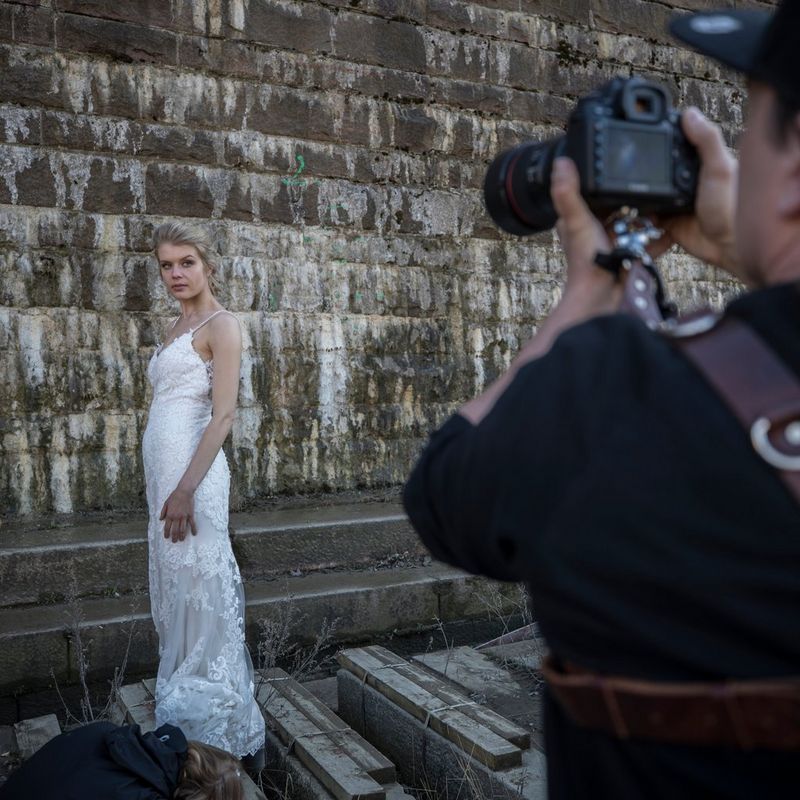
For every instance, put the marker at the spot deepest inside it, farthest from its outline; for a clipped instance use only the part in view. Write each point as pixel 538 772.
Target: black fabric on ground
pixel 102 760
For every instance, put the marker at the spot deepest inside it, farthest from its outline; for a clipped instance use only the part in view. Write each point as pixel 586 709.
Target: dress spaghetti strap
pixel 208 319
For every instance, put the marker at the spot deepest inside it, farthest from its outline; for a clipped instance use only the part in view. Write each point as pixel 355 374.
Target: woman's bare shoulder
pixel 225 328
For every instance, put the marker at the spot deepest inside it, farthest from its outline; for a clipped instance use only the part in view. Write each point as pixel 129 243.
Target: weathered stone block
pixel 189 17
pixel 122 40
pixel 177 190
pixel 294 114
pixel 33 25
pixel 647 19
pixel 6 23
pixel 382 42
pixel 406 10
pixel 33 734
pixel 27 77
pixel 462 17
pixel 290 25
pixel 563 10
pixel 27 177
pixel 414 129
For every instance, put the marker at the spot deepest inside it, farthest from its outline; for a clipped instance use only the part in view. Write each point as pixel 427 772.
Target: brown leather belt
pixel 745 715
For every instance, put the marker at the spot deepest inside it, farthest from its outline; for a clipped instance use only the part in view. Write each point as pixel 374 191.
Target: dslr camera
pixel 627 142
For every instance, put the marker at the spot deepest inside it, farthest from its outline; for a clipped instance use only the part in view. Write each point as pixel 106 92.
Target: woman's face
pixel 183 272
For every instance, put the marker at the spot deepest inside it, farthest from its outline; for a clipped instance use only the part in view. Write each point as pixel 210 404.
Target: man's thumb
pixel 565 191
pixel 707 138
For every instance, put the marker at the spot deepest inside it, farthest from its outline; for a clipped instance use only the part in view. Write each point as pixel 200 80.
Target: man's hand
pixel 710 233
pixel 178 515
pixel 582 237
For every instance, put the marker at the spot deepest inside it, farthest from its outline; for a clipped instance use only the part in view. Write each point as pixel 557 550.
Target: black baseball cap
pixel 764 46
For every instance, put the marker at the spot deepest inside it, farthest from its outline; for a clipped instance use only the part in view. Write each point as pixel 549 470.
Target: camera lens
pixel 517 188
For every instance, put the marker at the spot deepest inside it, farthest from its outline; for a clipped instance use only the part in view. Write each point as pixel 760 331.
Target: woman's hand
pixel 178 515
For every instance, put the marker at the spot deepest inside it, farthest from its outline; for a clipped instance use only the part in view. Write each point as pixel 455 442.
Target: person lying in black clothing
pixel 119 762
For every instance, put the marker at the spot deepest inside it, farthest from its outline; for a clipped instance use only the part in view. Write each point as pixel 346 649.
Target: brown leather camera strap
pixel 639 294
pixel 746 373
pixel 741 714
pixel 756 385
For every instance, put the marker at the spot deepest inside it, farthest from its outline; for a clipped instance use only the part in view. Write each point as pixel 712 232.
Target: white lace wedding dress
pixel 205 675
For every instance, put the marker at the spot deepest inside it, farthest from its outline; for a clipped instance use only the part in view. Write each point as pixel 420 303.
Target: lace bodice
pixel 174 374
pixel 179 413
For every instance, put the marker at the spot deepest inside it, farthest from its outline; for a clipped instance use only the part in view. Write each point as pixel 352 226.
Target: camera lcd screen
pixel 638 156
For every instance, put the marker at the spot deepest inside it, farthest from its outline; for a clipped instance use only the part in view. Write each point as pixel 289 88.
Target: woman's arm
pixel 225 342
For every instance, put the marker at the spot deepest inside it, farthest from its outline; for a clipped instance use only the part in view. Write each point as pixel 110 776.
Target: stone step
pixel 33 734
pixel 364 604
pixel 505 677
pixel 445 736
pixel 105 560
pixel 473 728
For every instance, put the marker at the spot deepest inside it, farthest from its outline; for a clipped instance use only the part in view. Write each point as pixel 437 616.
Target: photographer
pixel 661 551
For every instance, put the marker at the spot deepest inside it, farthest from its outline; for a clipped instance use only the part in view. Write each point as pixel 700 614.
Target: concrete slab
pixel 8 742
pixel 324 689
pixel 514 693
pixel 310 736
pixel 9 757
pixel 288 778
pixel 524 655
pixel 426 759
pixel 137 706
pixel 471 726
pixel 32 734
pixel 337 757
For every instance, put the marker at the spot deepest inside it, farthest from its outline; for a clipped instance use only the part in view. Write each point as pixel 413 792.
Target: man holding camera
pixel 661 550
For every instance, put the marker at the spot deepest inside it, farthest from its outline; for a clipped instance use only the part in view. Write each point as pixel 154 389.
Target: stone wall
pixel 336 150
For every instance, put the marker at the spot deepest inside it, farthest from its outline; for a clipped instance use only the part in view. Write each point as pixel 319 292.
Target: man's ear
pixel 789 203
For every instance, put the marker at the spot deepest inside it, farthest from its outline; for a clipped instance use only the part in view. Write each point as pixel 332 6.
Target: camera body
pixel 629 148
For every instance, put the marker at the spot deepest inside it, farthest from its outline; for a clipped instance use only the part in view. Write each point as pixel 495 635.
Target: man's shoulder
pixel 610 339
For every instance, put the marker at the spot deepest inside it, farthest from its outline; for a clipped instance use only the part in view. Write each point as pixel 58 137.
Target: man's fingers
pixel 707 138
pixel 163 511
pixel 192 524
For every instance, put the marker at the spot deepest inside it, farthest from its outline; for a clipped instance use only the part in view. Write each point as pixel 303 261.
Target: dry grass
pixel 89 709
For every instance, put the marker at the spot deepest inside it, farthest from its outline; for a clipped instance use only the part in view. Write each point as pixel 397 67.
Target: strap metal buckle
pixel 759 436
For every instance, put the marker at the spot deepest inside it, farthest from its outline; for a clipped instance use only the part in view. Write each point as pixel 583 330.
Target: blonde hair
pixel 209 774
pixel 194 236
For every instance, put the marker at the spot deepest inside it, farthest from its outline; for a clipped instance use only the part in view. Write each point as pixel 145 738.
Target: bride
pixel 205 675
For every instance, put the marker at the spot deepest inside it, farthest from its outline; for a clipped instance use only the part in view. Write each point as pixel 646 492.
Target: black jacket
pixel 102 761
pixel 614 481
